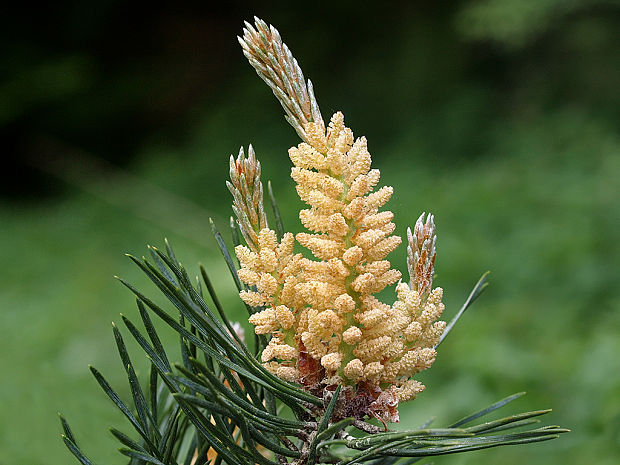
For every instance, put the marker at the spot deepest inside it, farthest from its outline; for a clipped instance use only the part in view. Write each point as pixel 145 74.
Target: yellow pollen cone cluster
pixel 272 272
pixel 325 308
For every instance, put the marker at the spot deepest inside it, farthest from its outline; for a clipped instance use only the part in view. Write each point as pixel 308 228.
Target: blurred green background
pixel 501 117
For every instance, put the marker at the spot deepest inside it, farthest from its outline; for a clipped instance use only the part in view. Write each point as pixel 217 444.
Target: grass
pixel 537 206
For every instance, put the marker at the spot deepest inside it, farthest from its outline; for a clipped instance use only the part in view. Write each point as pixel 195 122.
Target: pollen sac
pixel 352 335
pixel 354 370
pixel 331 362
